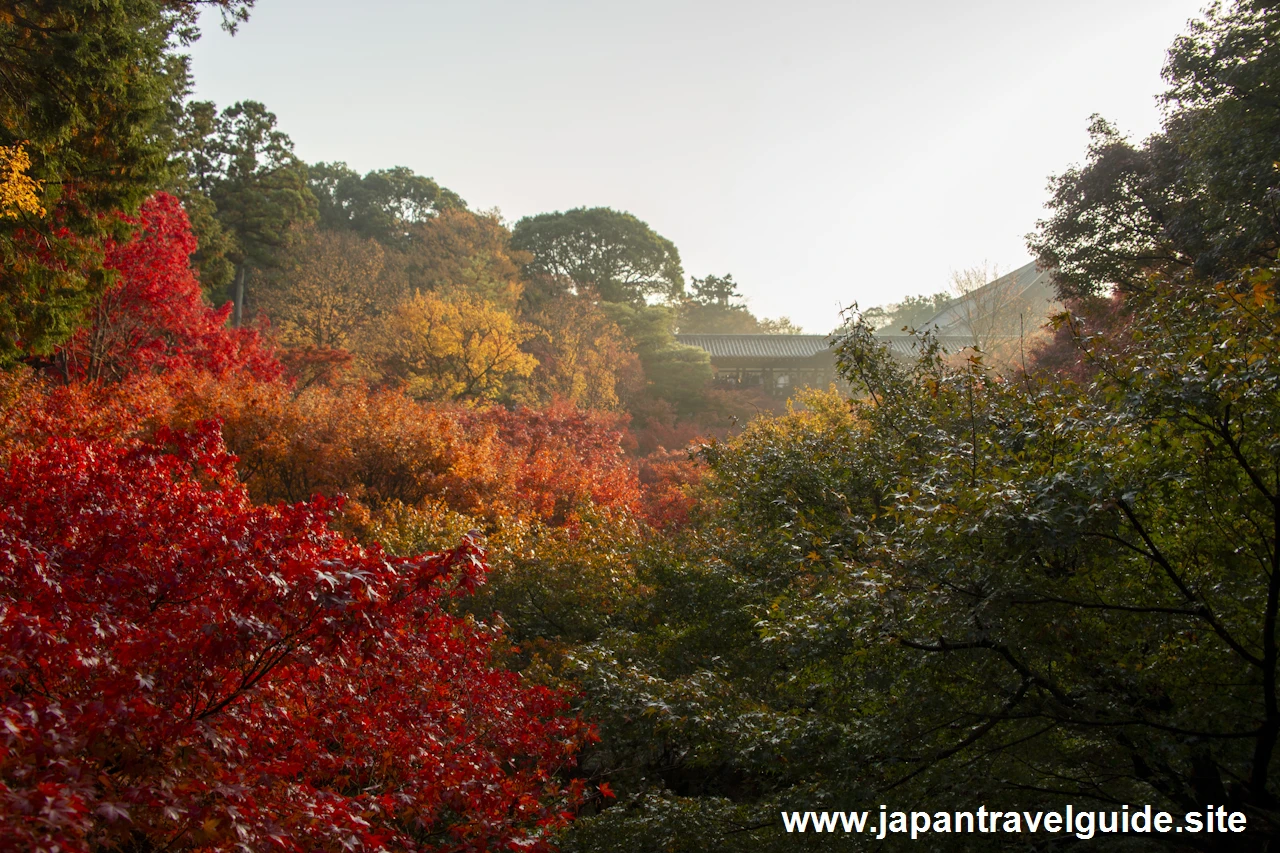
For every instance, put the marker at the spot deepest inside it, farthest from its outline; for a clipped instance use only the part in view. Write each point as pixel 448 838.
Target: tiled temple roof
pixel 770 347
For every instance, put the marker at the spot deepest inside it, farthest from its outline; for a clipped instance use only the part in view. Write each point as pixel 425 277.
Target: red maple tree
pixel 153 318
pixel 182 669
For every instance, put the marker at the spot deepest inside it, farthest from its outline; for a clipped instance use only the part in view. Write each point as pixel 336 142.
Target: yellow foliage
pixel 451 349
pixel 583 357
pixel 19 192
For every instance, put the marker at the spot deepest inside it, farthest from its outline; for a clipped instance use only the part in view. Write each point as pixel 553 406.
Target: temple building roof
pixel 770 347
pixel 1028 288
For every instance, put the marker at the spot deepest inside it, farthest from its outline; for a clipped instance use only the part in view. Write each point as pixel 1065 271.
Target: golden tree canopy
pixel 451 349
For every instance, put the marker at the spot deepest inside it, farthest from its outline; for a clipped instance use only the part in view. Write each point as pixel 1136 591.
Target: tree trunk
pixel 237 316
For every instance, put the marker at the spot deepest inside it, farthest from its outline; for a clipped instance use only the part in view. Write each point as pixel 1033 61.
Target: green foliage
pixel 382 204
pixel 560 586
pixel 721 291
pixel 715 320
pixel 1200 194
pixel 246 186
pixel 779 326
pixel 676 373
pixel 86 88
pixel 704 728
pixel 1087 573
pixel 911 313
pixel 608 254
pixel 961 590
pixel 714 307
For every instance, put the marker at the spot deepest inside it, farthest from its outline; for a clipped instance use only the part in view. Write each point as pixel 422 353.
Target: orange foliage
pixel 33 407
pixel 380 448
pixel 556 459
pixel 377 446
pixel 666 478
pixel 462 251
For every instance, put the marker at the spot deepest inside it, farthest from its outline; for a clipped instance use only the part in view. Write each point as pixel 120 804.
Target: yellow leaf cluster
pixel 461 348
pixel 583 357
pixel 19 192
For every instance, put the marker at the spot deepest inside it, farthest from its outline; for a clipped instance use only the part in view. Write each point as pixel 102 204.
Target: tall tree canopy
pixel 1203 194
pixel 912 312
pixel 606 253
pixel 328 287
pixel 459 251
pixel 381 204
pixel 673 371
pixel 459 348
pixel 86 87
pixel 251 188
pixel 714 306
pixel 583 356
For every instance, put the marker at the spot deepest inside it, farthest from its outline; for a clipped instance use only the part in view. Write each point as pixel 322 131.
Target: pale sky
pixel 820 152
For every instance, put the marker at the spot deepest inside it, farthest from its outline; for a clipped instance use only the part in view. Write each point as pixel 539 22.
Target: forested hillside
pixel 336 514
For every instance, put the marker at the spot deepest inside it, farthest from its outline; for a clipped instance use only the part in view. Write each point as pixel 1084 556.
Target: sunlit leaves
pixel 451 349
pixel 19 193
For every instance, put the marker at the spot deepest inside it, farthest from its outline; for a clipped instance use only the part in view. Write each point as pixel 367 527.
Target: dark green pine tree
pixel 87 88
pixel 247 190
